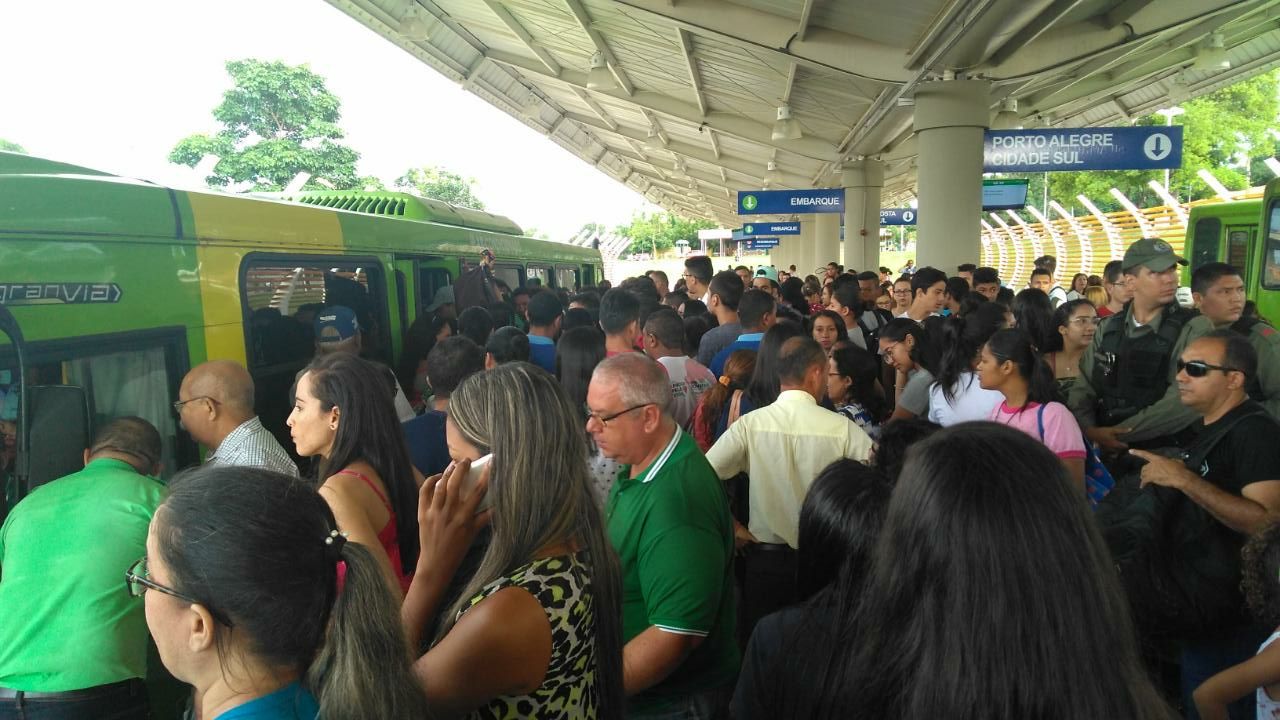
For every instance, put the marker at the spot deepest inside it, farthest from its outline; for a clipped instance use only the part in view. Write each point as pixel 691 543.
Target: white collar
pixel 657 464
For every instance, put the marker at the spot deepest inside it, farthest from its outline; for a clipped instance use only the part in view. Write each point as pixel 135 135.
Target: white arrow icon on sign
pixel 1157 147
pixel 908 216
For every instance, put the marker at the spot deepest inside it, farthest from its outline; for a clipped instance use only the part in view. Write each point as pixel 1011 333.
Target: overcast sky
pixel 114 85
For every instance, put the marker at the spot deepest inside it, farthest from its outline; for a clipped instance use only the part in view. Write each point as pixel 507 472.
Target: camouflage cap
pixel 1153 253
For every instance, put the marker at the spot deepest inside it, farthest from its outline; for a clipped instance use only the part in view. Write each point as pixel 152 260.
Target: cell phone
pixel 473 476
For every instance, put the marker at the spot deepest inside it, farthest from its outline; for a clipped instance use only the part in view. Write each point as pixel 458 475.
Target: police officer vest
pixel 1245 326
pixel 1130 374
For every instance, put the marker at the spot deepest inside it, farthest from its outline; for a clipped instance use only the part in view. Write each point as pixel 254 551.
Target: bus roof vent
pixel 368 203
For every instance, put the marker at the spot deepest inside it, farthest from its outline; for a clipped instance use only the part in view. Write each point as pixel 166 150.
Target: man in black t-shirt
pixel 1228 484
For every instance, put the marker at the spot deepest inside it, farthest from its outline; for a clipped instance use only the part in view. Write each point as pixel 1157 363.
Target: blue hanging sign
pixel 783 228
pixel 1147 147
pixel 788 202
pixel 898 216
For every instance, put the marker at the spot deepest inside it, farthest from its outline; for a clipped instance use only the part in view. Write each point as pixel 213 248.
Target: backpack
pixel 1169 599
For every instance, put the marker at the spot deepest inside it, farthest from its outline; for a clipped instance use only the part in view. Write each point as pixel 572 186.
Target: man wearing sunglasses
pixel 1218 290
pixel 73 644
pixel 1125 392
pixel 1224 488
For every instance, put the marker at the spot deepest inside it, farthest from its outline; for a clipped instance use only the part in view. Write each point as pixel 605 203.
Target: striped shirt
pixel 250 445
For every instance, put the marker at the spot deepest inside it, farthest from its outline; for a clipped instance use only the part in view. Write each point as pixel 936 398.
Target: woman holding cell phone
pixel 536 632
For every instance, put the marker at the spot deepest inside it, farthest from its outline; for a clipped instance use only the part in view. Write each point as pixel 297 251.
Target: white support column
pixel 1147 229
pixel 1002 263
pixel 950 117
pixel 803 257
pixel 863 182
pixel 1037 242
pixel 1086 245
pixel 1115 250
pixel 1171 202
pixel 826 239
pixel 1015 276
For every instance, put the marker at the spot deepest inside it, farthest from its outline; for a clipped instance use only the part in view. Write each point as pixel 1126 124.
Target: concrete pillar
pixel 950 117
pixel 862 180
pixel 826 241
pixel 802 252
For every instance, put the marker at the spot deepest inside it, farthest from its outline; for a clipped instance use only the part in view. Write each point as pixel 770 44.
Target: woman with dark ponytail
pixel 956 396
pixel 243 600
pixel 1009 364
pixel 911 351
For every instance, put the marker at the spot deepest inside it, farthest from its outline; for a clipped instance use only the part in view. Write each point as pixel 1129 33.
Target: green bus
pixel 120 286
pixel 1246 235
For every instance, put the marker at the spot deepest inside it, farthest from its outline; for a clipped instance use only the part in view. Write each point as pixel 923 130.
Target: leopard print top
pixel 568 692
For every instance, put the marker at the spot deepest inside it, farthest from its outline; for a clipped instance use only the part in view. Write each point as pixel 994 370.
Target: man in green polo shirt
pixel 668 519
pixel 73 643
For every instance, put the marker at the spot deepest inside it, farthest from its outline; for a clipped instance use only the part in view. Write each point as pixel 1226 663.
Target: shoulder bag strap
pixel 735 408
pixel 1040 421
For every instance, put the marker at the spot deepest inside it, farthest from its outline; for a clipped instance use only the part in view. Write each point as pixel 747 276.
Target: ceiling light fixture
pixel 786 127
pixel 1213 54
pixel 415 27
pixel 600 78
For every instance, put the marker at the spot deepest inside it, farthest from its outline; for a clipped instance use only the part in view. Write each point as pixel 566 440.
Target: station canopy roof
pixel 684 102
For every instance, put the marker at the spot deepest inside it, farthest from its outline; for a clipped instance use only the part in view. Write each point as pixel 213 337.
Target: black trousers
pixel 768 584
pixel 118 701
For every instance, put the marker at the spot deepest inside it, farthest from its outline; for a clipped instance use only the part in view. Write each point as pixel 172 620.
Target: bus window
pixel 431 279
pixel 126 374
pixel 1271 268
pixel 588 276
pixel 509 274
pixel 1238 242
pixel 567 278
pixel 1204 241
pixel 542 273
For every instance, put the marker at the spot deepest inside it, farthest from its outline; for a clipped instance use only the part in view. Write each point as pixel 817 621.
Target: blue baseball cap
pixel 335 324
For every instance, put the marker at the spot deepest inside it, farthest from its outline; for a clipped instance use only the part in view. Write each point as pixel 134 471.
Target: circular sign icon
pixel 749 229
pixel 1157 147
pixel 749 202
pixel 908 216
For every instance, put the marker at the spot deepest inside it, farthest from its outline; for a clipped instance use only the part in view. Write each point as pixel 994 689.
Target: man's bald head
pixel 226 381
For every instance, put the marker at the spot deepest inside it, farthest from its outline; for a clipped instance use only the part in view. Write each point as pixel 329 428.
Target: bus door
pixel 282 295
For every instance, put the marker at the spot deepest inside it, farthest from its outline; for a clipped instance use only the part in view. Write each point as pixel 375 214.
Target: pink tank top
pixel 386 537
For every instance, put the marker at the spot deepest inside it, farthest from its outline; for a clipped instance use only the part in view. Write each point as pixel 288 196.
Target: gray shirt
pixel 717 339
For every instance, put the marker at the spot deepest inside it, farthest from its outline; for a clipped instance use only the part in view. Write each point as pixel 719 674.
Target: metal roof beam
pixel 713 142
pixel 805 12
pixel 514 26
pixel 774 35
pixel 1119 14
pixel 596 108
pixel 686 46
pixel 584 21
pixel 1045 20
pixel 743 166
pixel 727 123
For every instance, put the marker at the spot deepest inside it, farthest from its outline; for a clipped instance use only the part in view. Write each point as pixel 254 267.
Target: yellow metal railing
pixel 1084 243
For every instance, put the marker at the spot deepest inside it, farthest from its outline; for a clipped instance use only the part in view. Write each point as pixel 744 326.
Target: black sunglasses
pixel 1200 368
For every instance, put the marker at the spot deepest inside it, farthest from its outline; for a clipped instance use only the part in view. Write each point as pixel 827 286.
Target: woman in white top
pixel 956 395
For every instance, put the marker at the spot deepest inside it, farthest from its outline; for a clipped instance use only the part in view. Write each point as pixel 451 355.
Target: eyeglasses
pixel 1200 368
pixel 1082 321
pixel 884 351
pixel 137 583
pixel 177 405
pixel 604 420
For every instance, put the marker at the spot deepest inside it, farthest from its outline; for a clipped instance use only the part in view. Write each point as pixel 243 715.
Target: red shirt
pixel 1104 311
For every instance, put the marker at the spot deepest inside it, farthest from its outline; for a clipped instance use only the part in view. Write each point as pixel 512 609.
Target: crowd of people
pixel 754 493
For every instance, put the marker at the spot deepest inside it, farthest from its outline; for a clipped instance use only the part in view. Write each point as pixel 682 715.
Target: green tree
pixel 656 232
pixel 11 146
pixel 1227 132
pixel 441 184
pixel 276 121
